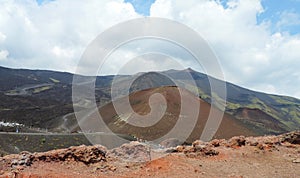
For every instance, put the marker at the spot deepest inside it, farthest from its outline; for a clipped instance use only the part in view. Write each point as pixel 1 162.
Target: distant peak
pixel 189 70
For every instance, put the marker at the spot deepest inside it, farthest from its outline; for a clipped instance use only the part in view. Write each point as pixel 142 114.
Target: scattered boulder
pixel 218 142
pixel 198 148
pixel 296 160
pixel 264 143
pixel 85 154
pixel 141 152
pixel 25 159
pixel 292 137
pixel 236 141
pixel 198 142
pixel 133 152
pixel 180 148
pixel 251 141
pixel 171 142
pixel 206 150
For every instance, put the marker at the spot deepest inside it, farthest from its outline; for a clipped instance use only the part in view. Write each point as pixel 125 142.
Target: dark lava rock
pixel 292 137
pixel 25 159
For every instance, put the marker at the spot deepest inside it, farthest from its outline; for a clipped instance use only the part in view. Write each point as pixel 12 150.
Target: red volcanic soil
pixel 270 156
pixel 180 103
pixel 259 117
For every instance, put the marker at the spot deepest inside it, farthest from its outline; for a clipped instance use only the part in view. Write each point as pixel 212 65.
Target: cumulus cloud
pixel 288 19
pixel 3 54
pixel 2 37
pixel 250 54
pixel 53 35
pixel 150 62
pixel 148 54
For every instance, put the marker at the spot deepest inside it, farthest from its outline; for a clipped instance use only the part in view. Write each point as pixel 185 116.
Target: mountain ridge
pixel 57 90
pixel 112 75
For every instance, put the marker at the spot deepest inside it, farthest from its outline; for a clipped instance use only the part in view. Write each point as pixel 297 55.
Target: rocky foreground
pixel 268 156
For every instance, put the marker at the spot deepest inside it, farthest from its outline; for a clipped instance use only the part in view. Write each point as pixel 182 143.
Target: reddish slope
pixel 260 120
pixel 140 103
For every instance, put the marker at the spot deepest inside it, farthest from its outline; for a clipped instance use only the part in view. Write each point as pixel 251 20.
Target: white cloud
pixel 163 8
pixel 59 52
pixel 150 62
pixel 250 54
pixel 147 55
pixel 2 37
pixel 54 35
pixel 288 18
pixel 3 54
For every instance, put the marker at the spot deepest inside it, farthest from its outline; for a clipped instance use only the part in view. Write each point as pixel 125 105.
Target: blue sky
pixel 40 2
pixel 273 11
pixel 257 41
pixel 141 6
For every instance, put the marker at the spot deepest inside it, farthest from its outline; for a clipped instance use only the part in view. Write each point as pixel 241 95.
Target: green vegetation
pixel 285 100
pixel 39 143
pixel 43 140
pixel 290 110
pixel 202 94
pixel 5 109
pixel 196 90
pixel 285 110
pixel 256 103
pixel 11 92
pixel 41 89
pixel 54 80
pixel 230 105
pixel 286 114
pixel 220 103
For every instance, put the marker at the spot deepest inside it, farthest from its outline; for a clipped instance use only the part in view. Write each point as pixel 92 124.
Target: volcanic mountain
pixel 43 99
pixel 146 121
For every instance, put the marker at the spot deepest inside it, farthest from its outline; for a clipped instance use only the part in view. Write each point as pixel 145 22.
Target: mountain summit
pixel 39 99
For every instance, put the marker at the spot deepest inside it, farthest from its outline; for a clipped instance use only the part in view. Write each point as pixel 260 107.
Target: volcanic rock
pixel 237 141
pixel 292 137
pixel 133 152
pixel 171 142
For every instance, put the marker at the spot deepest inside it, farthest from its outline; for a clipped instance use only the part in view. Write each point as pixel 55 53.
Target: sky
pixel 257 42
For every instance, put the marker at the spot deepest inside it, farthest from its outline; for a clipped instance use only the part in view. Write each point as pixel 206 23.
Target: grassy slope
pixel 285 110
